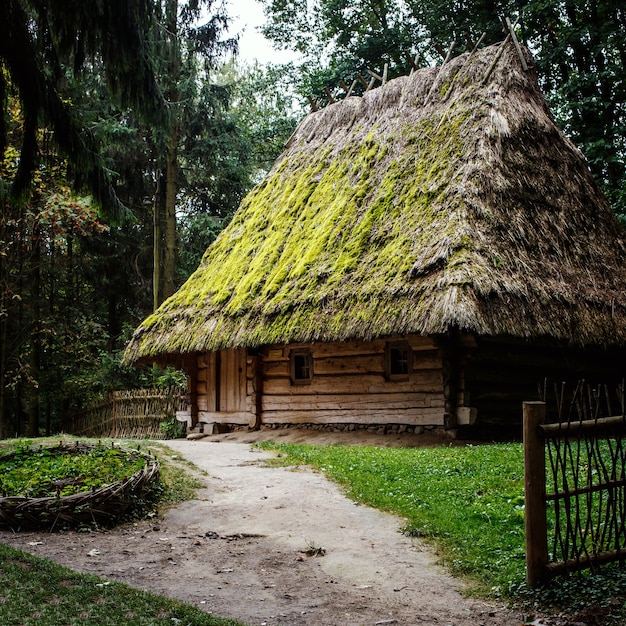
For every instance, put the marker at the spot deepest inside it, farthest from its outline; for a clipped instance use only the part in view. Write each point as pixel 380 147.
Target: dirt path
pixel 240 551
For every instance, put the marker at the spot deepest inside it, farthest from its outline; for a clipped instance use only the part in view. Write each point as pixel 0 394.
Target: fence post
pixel 535 494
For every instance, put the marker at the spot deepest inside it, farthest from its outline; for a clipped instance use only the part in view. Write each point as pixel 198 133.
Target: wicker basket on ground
pixel 102 506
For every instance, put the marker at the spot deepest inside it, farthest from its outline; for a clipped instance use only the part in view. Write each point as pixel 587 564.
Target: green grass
pixel 180 478
pixel 469 502
pixel 38 592
pixel 31 473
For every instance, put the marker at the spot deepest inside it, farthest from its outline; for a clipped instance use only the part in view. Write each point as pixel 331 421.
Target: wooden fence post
pixel 535 494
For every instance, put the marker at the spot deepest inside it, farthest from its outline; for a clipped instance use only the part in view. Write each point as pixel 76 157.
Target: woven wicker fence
pixel 575 477
pixel 135 414
pixel 103 506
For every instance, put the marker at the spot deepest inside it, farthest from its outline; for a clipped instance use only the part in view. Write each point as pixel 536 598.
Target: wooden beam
pixel 575 427
pixel 535 494
pixel 418 417
pixel 477 45
pixel 432 87
pixel 389 402
pixel 237 417
pixel 412 63
pixel 497 57
pixel 426 381
pixel 518 48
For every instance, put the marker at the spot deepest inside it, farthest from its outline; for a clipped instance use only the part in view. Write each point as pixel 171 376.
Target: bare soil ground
pixel 276 546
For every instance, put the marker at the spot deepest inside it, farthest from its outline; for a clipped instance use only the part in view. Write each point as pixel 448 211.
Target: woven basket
pixel 102 507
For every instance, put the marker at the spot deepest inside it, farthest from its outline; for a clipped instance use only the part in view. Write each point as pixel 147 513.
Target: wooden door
pixel 230 373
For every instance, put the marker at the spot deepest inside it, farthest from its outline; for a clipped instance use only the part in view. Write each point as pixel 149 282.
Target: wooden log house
pixel 422 255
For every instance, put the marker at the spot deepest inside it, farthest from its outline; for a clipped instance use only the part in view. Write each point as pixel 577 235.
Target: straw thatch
pixel 437 201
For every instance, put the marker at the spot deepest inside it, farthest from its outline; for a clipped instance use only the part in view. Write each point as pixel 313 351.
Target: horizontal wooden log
pixel 239 417
pixel 390 401
pixel 349 348
pixel 342 365
pixel 415 417
pixel 575 565
pixel 427 381
pixel 276 353
pixel 609 425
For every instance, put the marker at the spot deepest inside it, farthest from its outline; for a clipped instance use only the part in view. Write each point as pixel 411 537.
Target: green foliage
pixel 38 592
pixel 172 428
pixel 92 378
pixel 43 52
pixel 580 52
pixel 32 473
pixel 179 479
pixel 599 593
pixel 241 122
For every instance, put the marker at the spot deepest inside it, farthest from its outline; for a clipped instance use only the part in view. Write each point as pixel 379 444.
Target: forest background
pixel 130 132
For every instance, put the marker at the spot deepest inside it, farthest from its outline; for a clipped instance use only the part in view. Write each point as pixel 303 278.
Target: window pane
pixel 302 366
pixel 399 361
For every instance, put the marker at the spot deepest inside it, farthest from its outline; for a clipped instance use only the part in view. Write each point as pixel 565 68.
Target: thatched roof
pixel 416 208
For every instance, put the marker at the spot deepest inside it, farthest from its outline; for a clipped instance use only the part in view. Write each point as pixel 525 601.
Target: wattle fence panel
pixel 135 414
pixel 575 483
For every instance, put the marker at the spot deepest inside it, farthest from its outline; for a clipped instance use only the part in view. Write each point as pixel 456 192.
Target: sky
pixel 247 16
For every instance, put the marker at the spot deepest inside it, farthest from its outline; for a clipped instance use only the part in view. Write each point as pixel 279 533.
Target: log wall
pixel 349 386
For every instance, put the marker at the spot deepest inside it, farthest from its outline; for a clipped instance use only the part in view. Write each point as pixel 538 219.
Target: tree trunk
pixel 171 190
pixel 3 356
pixel 33 397
pixel 156 249
pixel 171 176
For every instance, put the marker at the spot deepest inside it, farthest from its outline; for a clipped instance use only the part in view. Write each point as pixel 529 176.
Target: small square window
pixel 398 361
pixel 301 366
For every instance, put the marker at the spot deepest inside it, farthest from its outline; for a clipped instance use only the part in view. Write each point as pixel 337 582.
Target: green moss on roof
pixel 393 214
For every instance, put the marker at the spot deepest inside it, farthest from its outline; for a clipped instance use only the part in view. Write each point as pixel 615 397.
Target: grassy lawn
pixel 469 502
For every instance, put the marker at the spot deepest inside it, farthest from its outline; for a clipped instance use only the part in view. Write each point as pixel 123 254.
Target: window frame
pixel 392 347
pixel 293 369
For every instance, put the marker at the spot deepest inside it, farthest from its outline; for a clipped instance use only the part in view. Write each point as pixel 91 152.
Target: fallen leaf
pixel 93 552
